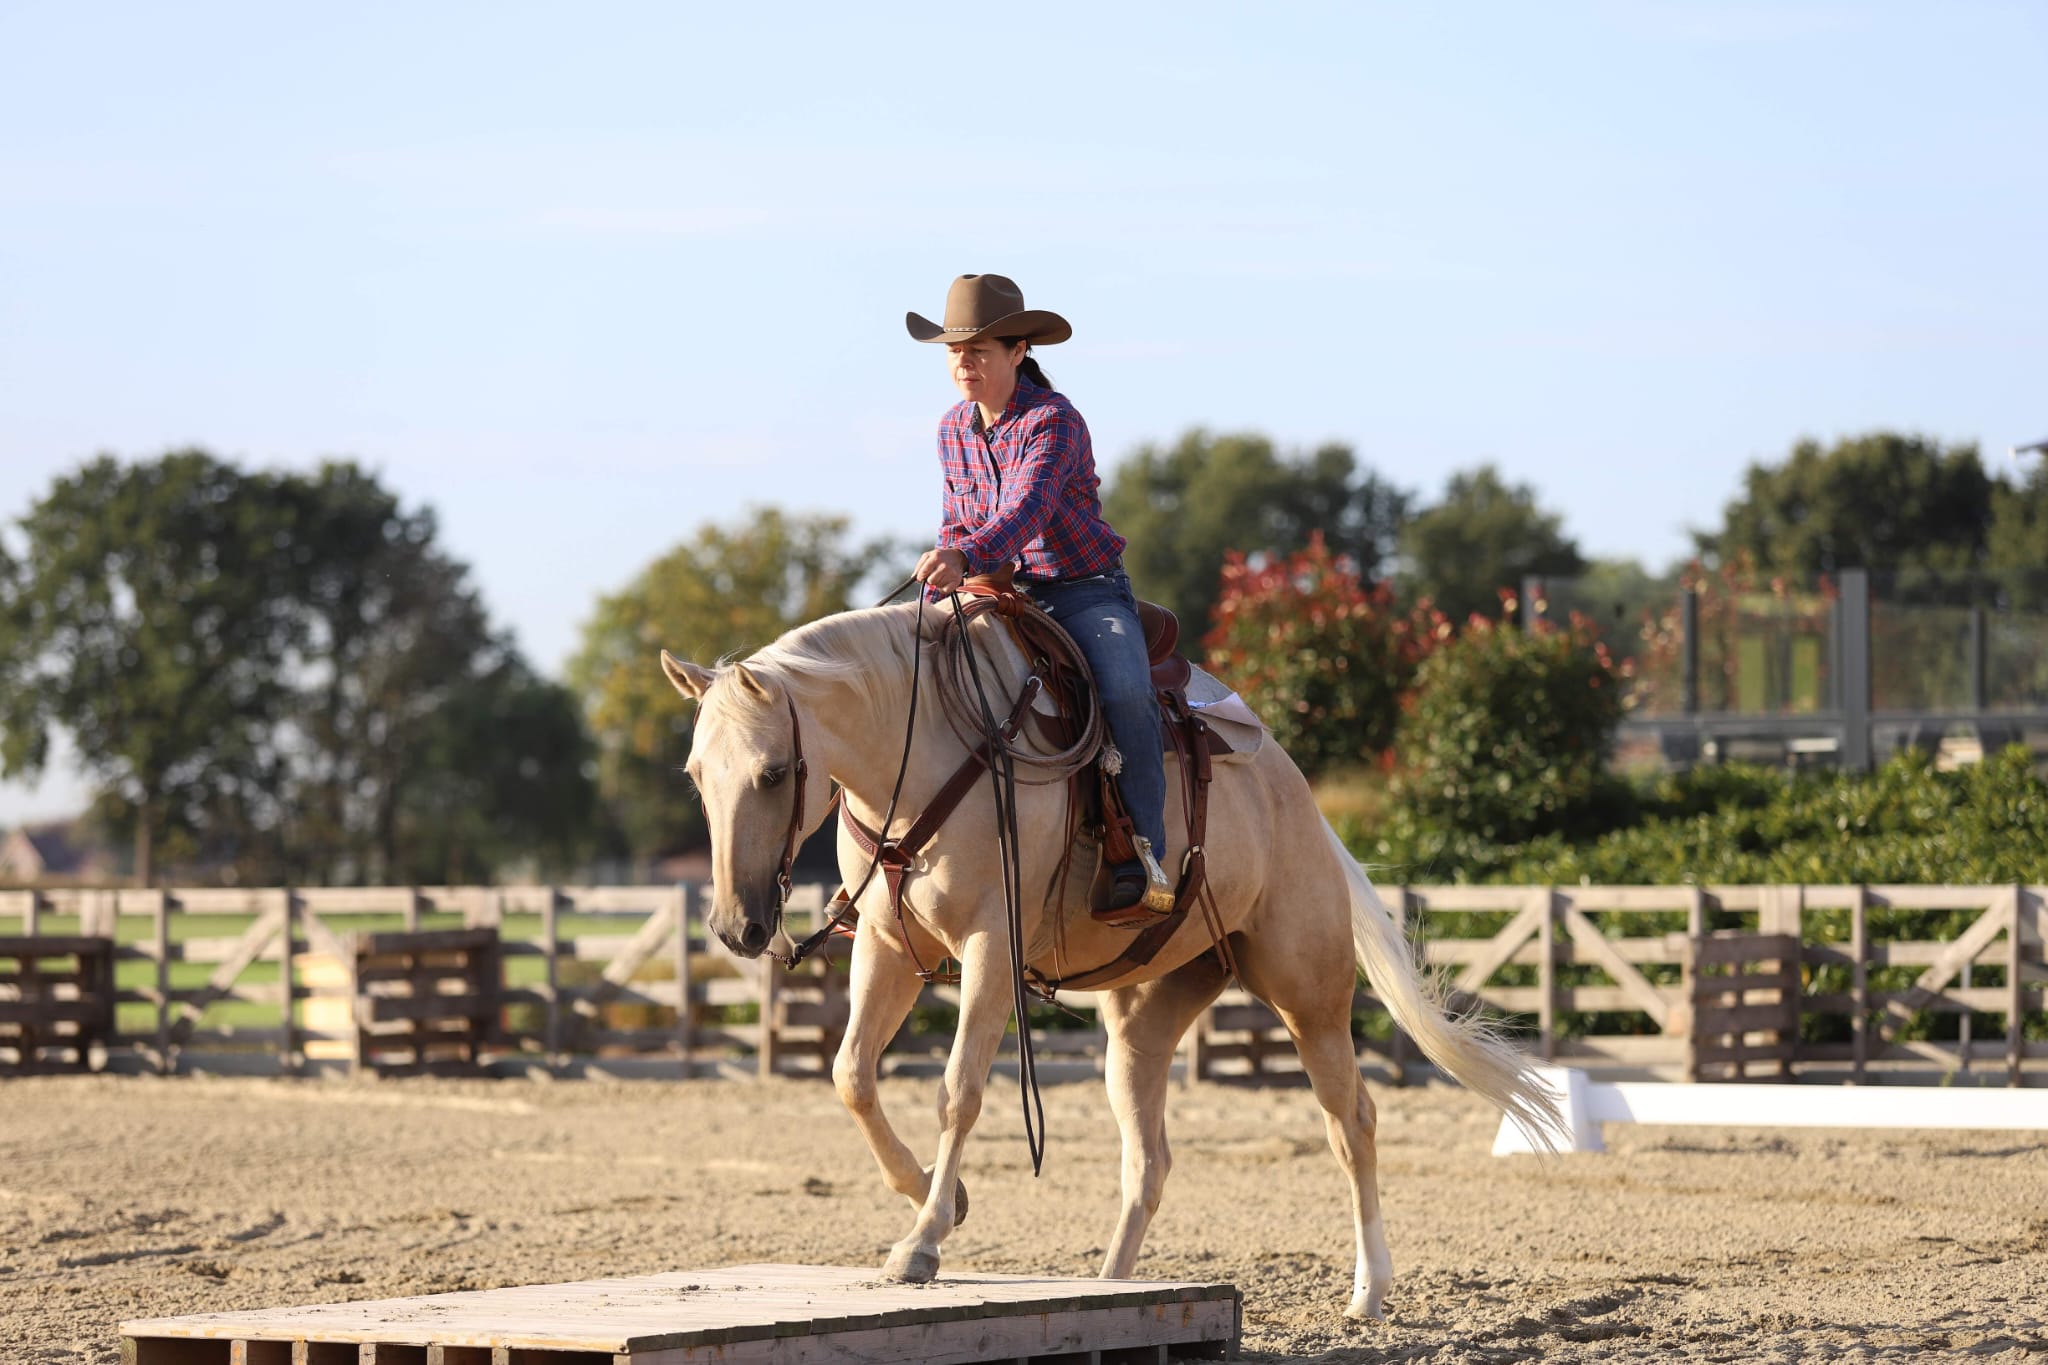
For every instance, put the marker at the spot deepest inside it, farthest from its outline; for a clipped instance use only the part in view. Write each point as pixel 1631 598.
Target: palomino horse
pixel 827 702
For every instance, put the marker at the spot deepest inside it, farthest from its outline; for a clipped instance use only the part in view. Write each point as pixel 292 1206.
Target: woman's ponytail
pixel 1027 368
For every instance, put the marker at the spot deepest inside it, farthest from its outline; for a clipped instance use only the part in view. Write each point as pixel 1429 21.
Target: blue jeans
pixel 1102 616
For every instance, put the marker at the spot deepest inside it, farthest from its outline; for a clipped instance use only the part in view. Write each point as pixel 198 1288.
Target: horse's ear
pixel 690 680
pixel 752 683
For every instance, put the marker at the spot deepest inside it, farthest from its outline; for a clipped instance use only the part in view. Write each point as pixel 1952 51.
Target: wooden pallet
pixel 56 1001
pixel 1745 1006
pixel 742 1315
pixel 422 1000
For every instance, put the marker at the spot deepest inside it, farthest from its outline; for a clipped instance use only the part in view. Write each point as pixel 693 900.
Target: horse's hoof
pixel 959 1202
pixel 913 1266
pixel 1366 1308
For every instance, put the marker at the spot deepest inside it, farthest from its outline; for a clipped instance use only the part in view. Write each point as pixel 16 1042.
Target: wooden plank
pixel 51 945
pixel 51 1011
pixel 551 987
pixel 1708 988
pixel 412 942
pixel 385 1009
pixel 766 1057
pixel 1627 899
pixel 1737 949
pixel 2015 981
pixel 824 1313
pixel 1534 914
pixel 632 956
pixel 160 924
pixel 267 927
pixel 1982 898
pixel 1714 1020
pixel 1546 971
pixel 1647 997
pixel 686 903
pixel 2002 916
pixel 1438 900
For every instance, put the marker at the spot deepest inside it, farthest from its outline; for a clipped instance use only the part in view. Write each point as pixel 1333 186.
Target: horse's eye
pixel 772 777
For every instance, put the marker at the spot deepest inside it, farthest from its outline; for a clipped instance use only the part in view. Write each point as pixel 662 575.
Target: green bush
pixel 1506 736
pixel 1905 823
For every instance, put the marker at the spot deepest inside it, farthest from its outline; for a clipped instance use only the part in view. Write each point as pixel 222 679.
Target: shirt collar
pixel 1025 395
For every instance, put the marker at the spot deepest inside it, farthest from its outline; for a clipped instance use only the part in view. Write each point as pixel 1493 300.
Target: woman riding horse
pixel 1021 489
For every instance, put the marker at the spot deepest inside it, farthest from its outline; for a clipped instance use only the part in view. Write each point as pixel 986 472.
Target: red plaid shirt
pixel 1025 490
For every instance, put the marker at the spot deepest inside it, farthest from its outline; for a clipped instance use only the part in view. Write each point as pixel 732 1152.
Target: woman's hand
pixel 942 570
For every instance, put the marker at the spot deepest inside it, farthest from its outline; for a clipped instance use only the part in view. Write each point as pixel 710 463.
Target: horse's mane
pixel 868 650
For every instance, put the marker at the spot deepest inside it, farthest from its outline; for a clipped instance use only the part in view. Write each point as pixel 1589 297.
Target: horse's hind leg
pixel 1312 994
pixel 1145 1025
pixel 882 989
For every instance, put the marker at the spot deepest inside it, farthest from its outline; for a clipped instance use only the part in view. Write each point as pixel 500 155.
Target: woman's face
pixel 984 369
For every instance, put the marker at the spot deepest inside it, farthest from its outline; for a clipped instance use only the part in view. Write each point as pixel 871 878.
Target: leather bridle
pixel 793 839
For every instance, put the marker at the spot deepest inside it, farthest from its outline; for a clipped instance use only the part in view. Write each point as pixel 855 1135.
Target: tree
pixel 503 775
pixel 725 590
pixel 1877 501
pixel 1183 507
pixel 1483 537
pixel 152 615
pixel 2016 548
pixel 266 670
pixel 1325 657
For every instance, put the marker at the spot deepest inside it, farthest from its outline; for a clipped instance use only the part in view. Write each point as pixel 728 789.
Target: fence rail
pixel 625 980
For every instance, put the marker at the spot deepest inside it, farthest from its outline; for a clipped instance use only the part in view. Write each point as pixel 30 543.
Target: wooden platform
pixel 741 1315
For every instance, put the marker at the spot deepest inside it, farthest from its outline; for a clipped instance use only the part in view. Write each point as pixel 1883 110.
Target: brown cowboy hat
pixel 989 305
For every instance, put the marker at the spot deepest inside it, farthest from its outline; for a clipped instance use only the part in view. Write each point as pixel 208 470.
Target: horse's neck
pixel 866 734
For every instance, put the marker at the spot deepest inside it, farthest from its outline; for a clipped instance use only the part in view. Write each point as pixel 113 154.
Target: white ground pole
pixel 1583 1104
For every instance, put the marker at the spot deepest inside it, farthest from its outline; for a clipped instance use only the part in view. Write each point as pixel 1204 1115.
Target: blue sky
pixel 582 277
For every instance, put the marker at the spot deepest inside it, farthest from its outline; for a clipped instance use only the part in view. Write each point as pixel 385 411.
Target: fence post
pixel 1980 691
pixel 163 982
pixel 1859 989
pixel 1689 650
pixel 551 1017
pixel 1398 1039
pixel 2016 1002
pixel 768 1049
pixel 686 911
pixel 288 1034
pixel 1852 630
pixel 1546 976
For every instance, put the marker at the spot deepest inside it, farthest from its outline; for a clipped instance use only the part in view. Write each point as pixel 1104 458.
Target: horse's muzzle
pixel 746 927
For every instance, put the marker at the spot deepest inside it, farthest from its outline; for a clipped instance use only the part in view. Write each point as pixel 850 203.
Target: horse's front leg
pixel 883 987
pixel 985 1007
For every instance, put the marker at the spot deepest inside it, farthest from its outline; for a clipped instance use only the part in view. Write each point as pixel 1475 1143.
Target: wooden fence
pixel 624 980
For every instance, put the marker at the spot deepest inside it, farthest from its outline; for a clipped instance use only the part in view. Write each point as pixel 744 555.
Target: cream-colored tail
pixel 1465 1045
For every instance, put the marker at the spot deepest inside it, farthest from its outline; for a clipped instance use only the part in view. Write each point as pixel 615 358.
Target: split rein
pixel 1001 761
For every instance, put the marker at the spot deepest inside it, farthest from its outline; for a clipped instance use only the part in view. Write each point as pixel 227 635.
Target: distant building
pixel 57 851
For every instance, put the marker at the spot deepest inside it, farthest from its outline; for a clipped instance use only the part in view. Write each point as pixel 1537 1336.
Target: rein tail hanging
pixel 1003 784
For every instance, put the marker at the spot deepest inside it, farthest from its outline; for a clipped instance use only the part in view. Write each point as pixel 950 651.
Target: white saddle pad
pixel 1227 714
